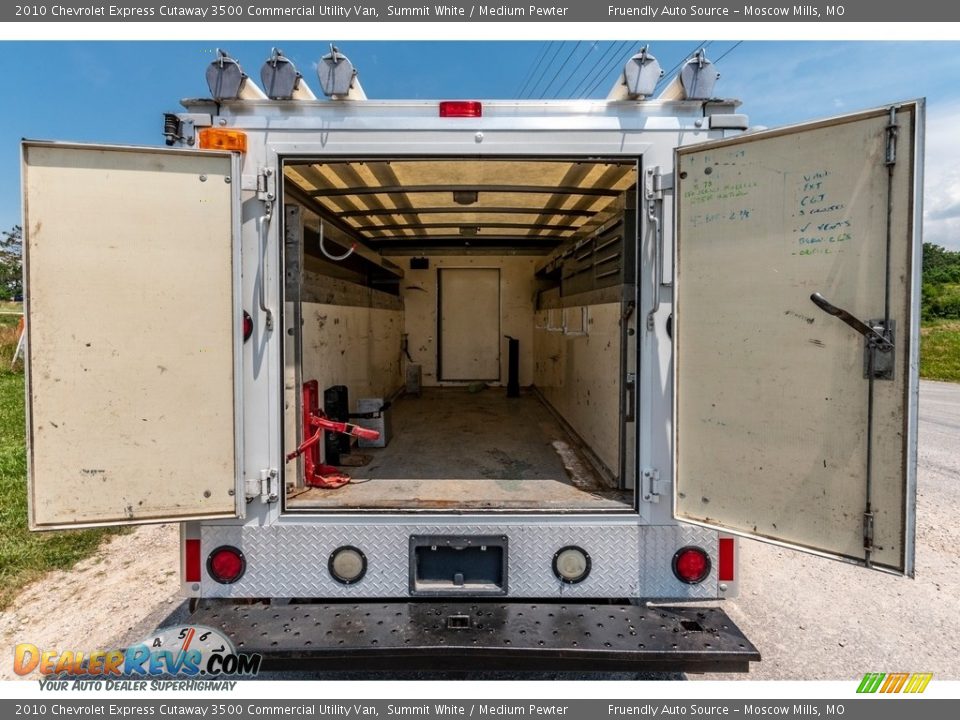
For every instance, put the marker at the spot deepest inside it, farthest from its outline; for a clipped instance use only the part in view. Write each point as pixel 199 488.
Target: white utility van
pixel 587 345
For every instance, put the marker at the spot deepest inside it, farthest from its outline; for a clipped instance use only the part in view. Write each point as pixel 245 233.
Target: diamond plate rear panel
pixel 291 560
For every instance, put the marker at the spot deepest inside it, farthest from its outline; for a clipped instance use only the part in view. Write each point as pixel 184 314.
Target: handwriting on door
pixel 708 191
pixel 822 223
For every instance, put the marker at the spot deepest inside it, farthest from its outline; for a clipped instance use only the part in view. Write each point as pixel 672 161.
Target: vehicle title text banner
pixel 594 709
pixel 509 11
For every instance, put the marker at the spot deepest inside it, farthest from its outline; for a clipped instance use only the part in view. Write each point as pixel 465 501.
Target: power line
pixel 603 76
pixel 736 45
pixel 602 71
pixel 588 77
pixel 578 66
pixel 535 65
pixel 607 69
pixel 560 69
pixel 667 76
pixel 543 72
pixel 604 65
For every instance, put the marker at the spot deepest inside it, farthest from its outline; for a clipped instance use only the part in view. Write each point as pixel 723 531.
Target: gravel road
pixel 812 619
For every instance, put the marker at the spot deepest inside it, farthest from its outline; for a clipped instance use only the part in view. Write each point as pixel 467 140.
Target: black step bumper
pixel 488 636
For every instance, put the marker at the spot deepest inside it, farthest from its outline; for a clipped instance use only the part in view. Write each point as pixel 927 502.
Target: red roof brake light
pixel 461 108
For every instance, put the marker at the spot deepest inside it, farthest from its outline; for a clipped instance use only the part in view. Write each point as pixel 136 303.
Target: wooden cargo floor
pixel 456 450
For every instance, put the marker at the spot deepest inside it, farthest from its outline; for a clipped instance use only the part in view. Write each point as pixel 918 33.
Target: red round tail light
pixel 691 565
pixel 226 564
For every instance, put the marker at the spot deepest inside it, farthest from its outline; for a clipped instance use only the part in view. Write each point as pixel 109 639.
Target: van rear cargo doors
pixel 133 320
pixel 796 335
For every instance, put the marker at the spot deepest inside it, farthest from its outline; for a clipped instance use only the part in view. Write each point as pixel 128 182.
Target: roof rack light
pixel 227 81
pixel 338 77
pixel 281 81
pixel 695 81
pixel 639 77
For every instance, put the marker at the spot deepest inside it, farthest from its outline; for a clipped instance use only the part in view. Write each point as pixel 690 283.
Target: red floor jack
pixel 316 474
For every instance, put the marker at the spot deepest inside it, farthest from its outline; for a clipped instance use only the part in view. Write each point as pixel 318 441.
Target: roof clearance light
pixel 247 326
pixel 691 565
pixel 461 108
pixel 223 139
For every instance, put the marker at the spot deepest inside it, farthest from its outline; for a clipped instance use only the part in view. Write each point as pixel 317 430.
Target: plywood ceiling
pixel 524 202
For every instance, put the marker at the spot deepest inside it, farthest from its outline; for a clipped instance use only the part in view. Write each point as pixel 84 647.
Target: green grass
pixel 941 300
pixel 940 350
pixel 25 555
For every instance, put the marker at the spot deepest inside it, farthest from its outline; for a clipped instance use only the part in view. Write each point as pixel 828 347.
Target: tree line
pixel 940 296
pixel 11 263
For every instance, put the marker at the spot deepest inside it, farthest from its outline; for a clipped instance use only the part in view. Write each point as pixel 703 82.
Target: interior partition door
pixel 468 324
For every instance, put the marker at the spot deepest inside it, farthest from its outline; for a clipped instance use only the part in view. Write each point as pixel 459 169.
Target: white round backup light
pixel 571 564
pixel 347 564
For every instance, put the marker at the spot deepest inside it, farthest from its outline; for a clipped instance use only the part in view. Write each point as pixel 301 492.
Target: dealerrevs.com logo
pixel 184 651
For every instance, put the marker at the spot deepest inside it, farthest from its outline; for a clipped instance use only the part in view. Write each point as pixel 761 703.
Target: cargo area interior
pixel 474 311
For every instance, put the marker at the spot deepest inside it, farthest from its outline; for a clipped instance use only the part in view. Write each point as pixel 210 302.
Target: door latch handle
pixel 861 327
pixel 878 335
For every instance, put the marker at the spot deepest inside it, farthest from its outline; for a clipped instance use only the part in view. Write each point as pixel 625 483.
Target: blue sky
pixel 117 91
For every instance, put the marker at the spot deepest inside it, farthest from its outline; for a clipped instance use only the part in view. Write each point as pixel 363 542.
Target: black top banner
pixel 510 11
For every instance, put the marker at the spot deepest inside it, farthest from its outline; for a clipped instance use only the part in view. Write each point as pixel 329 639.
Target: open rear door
pixel 131 268
pixel 796 335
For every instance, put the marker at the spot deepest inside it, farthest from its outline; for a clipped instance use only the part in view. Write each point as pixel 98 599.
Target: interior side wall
pixel 348 345
pixel 418 290
pixel 579 375
pixel 354 346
